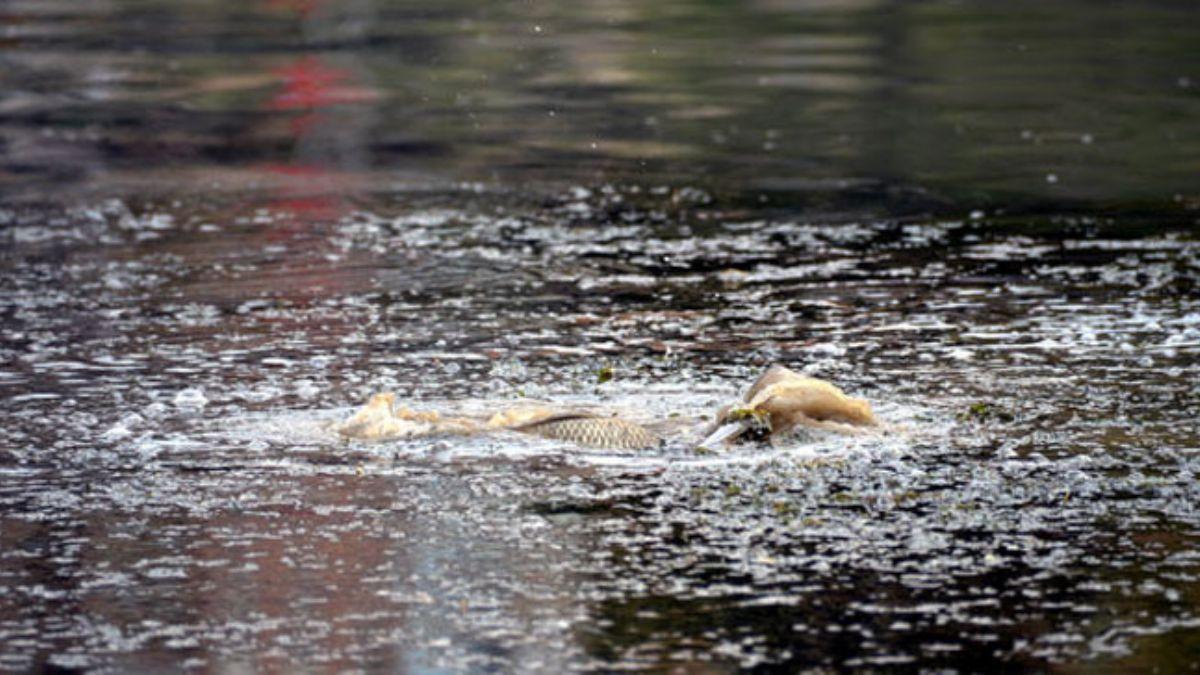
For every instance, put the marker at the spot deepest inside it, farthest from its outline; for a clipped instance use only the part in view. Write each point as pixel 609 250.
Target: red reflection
pixel 301 7
pixel 310 189
pixel 309 85
pixel 309 193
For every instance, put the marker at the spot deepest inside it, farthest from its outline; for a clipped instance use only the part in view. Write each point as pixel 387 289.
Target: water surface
pixel 983 219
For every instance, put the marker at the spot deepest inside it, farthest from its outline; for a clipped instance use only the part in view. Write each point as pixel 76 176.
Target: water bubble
pixel 190 399
pixel 123 428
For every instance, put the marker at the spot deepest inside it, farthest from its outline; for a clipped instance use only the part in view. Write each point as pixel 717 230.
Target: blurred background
pixel 958 103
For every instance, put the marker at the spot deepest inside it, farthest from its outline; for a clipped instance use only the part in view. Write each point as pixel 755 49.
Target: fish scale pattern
pixel 600 432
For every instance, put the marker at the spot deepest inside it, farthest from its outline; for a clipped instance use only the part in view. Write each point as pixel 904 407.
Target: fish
pixel 612 433
pixel 779 401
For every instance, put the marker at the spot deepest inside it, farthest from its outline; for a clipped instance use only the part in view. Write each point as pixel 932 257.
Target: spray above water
pixel 777 403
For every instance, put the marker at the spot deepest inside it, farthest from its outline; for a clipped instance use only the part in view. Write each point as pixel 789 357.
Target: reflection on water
pixel 981 218
pixel 972 102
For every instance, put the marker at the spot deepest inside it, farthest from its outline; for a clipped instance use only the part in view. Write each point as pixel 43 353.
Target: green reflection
pixel 977 103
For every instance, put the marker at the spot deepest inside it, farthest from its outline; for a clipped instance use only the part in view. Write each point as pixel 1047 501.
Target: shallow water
pixel 215 245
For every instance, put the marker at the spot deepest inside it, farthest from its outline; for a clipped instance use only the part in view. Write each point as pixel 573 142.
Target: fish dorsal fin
pixel 560 416
pixel 774 375
pixel 526 417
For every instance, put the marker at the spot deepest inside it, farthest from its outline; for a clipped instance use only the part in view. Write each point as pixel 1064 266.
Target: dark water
pixel 223 224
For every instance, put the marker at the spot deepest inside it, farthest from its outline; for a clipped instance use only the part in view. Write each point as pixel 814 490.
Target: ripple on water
pixel 169 484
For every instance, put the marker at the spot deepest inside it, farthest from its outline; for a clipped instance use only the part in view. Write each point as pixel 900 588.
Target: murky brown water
pixel 223 224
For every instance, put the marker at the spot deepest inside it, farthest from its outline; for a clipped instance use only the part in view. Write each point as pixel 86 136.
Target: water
pixel 982 219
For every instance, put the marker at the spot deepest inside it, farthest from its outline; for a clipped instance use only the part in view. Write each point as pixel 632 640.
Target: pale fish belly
pixel 599 432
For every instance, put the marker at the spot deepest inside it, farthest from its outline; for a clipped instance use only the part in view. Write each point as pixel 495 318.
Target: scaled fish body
pixel 382 419
pixel 598 432
pixel 777 402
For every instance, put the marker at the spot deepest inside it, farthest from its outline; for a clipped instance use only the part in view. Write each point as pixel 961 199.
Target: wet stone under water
pixel 171 494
